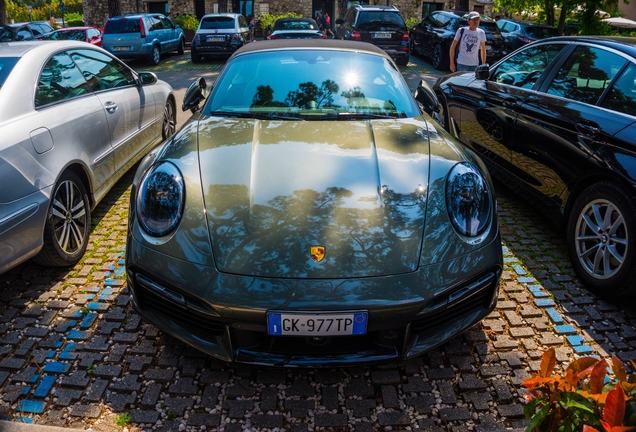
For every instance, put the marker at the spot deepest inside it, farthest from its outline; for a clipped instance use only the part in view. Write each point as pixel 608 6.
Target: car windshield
pixel 311 84
pixel 222 22
pixel 294 25
pixel 542 32
pixel 6 35
pixel 77 35
pixel 6 65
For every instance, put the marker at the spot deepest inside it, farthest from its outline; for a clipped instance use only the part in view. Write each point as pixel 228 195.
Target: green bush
pixel 268 20
pixel 187 22
pixel 20 12
pixel 412 22
pixel 73 20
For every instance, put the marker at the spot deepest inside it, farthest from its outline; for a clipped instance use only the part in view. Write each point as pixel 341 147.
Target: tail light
pixel 355 35
pixel 525 39
pixel 405 36
pixel 197 38
pixel 272 37
pixel 142 28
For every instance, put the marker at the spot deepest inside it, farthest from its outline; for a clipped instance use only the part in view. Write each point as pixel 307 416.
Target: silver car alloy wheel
pixel 601 239
pixel 169 123
pixel 68 212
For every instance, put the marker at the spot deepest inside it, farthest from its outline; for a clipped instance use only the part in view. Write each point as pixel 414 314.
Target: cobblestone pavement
pixel 73 354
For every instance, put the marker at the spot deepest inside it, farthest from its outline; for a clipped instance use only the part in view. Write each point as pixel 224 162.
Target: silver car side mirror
pixel 147 78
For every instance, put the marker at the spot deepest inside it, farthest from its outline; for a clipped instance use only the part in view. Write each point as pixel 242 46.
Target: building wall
pixel 629 9
pixel 96 11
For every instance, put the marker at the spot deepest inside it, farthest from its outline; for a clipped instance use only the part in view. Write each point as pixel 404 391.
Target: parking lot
pixel 73 354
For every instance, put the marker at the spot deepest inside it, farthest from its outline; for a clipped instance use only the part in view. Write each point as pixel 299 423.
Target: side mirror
pixel 147 78
pixel 425 95
pixel 194 95
pixel 482 72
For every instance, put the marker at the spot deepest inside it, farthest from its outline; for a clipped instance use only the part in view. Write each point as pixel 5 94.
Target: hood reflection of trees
pixel 381 236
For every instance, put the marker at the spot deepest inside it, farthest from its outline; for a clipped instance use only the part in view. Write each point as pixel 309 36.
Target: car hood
pixel 314 199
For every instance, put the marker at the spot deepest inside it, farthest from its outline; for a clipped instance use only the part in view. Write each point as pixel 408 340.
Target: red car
pixel 91 35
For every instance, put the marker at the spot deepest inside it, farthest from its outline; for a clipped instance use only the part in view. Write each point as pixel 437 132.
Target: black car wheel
pixel 155 55
pixel 181 49
pixel 169 120
pixel 440 58
pixel 601 237
pixel 67 223
pixel 196 58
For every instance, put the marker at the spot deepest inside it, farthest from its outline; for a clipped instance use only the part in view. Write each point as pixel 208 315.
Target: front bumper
pixel 401 326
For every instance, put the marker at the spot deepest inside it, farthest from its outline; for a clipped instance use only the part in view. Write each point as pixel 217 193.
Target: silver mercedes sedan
pixel 73 120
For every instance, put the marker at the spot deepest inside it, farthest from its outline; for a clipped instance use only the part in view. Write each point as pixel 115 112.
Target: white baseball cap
pixel 472 15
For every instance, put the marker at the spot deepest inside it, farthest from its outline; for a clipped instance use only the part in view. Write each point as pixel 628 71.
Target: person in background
pixel 318 19
pixel 327 25
pixel 472 46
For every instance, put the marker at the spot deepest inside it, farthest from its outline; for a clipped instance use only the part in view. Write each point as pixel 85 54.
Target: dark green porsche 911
pixel 311 214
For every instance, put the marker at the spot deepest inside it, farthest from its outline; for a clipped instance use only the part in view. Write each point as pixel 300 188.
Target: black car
pixel 382 26
pixel 24 31
pixel 296 28
pixel 433 36
pixel 556 120
pixel 520 33
pixel 220 34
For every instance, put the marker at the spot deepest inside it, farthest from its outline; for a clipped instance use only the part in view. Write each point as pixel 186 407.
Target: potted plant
pixel 189 24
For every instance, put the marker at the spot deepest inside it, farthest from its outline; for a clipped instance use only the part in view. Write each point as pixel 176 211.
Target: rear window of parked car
pixel 374 17
pixel 217 23
pixel 123 25
pixel 541 32
pixel 6 65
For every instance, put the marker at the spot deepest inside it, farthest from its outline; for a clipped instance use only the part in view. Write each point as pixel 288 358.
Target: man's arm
pixel 482 51
pixel 451 54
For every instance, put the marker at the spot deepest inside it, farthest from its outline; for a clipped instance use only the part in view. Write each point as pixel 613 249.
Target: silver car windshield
pixel 313 84
pixel 6 65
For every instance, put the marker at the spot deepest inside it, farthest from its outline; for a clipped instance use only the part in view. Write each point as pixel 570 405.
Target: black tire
pixel 403 61
pixel 155 55
pixel 196 58
pixel 181 49
pixel 67 225
pixel 440 58
pixel 601 239
pixel 169 120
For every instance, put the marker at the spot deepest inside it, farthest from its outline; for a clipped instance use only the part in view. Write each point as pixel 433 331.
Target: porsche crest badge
pixel 317 253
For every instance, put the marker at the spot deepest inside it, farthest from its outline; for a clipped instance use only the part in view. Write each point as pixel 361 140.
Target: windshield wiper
pixel 355 116
pixel 254 115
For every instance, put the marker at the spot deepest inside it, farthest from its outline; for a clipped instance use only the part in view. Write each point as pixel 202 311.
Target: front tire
pixel 155 56
pixel 601 239
pixel 67 225
pixel 440 58
pixel 169 120
pixel 181 49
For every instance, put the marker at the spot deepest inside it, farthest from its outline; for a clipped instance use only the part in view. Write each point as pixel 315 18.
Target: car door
pixel 433 32
pixel 74 118
pixel 488 117
pixel 170 39
pixel 561 127
pixel 130 109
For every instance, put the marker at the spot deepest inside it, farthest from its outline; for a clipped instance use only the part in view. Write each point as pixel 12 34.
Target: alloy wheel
pixel 69 218
pixel 169 121
pixel 601 239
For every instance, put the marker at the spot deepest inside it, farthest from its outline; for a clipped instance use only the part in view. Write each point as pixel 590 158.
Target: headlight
pixel 468 200
pixel 160 199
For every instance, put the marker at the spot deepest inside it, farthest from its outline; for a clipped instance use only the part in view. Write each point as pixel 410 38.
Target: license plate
pixel 122 48
pixel 317 324
pixel 382 35
pixel 215 39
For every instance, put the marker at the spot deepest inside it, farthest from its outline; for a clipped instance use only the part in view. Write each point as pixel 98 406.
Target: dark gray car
pixel 220 34
pixel 24 31
pixel 520 33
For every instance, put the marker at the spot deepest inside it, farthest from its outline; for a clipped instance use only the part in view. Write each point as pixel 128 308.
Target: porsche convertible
pixel 311 213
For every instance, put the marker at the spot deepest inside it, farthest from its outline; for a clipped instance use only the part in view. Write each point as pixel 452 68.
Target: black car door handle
pixel 590 129
pixel 510 102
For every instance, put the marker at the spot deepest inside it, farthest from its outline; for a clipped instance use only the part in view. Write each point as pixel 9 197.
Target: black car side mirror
pixel 482 72
pixel 425 95
pixel 194 95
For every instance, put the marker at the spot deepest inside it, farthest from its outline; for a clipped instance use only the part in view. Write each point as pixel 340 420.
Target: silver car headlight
pixel 160 199
pixel 468 200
